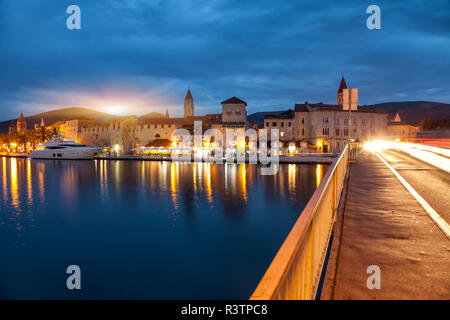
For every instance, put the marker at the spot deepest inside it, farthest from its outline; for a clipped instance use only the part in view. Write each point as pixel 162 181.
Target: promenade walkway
pixel 382 224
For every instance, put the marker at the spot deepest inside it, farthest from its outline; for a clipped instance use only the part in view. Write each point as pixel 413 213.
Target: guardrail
pixel 297 267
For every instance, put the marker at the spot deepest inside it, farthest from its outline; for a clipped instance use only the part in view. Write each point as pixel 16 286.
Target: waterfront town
pixel 303 129
pixel 224 150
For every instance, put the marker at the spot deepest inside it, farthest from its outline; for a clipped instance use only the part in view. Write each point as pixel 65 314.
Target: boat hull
pixel 64 154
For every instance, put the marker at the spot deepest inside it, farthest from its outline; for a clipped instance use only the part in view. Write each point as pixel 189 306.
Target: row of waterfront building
pixel 322 127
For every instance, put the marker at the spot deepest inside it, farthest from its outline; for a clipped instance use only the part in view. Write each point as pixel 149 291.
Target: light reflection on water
pixel 159 229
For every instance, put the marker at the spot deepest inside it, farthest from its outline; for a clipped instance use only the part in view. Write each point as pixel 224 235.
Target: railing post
pixel 334 195
pixel 310 260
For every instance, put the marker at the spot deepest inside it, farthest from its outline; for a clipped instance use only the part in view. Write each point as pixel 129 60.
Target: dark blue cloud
pixel 146 53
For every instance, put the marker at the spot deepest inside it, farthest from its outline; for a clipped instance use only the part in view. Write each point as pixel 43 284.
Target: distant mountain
pixel 151 115
pixel 411 112
pixel 258 117
pixel 52 117
pixel 65 114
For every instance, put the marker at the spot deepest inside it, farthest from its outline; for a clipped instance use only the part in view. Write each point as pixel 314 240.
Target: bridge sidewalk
pixel 383 225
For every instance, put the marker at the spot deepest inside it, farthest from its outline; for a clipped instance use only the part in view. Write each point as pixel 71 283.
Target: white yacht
pixel 60 147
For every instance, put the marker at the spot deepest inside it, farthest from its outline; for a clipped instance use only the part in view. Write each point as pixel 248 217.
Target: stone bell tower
pixel 21 124
pixel 340 91
pixel 188 105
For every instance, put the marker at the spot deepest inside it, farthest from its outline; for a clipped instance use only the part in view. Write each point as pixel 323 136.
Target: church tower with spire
pixel 21 124
pixel 188 105
pixel 342 86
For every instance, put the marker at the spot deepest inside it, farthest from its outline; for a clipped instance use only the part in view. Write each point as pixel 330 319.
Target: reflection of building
pixel 397 129
pixel 327 127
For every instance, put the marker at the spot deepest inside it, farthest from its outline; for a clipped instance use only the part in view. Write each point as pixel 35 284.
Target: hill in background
pixel 258 117
pixel 151 115
pixel 411 112
pixel 65 114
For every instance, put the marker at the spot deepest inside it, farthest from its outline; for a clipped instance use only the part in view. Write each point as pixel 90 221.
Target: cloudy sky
pixel 139 56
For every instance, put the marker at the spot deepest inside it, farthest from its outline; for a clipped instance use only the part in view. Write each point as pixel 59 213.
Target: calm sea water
pixel 144 230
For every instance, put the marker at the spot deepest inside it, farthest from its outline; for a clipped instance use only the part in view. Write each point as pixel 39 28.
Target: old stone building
pixel 234 123
pixel 399 130
pixel 21 124
pixel 122 136
pixel 322 127
pixel 328 127
pixel 188 105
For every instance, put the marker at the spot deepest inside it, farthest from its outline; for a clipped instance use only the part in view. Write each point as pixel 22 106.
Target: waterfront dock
pixel 284 159
pixel 382 224
pixel 13 155
pixel 290 160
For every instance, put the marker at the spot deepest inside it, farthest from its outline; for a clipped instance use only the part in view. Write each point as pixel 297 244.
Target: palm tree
pixel 53 131
pixel 32 137
pixel 13 138
pixel 22 140
pixel 4 139
pixel 43 133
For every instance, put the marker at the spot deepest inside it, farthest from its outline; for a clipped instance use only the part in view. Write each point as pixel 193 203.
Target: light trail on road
pixel 435 156
pixel 440 222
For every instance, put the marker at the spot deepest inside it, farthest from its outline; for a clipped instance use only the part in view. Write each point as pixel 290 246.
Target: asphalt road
pixel 431 183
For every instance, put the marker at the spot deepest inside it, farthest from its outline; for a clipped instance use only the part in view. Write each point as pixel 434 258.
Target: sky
pixel 141 56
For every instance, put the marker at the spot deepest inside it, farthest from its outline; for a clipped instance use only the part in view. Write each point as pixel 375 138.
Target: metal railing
pixel 297 267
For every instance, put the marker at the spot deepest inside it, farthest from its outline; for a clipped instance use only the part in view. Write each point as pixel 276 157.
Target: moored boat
pixel 60 147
